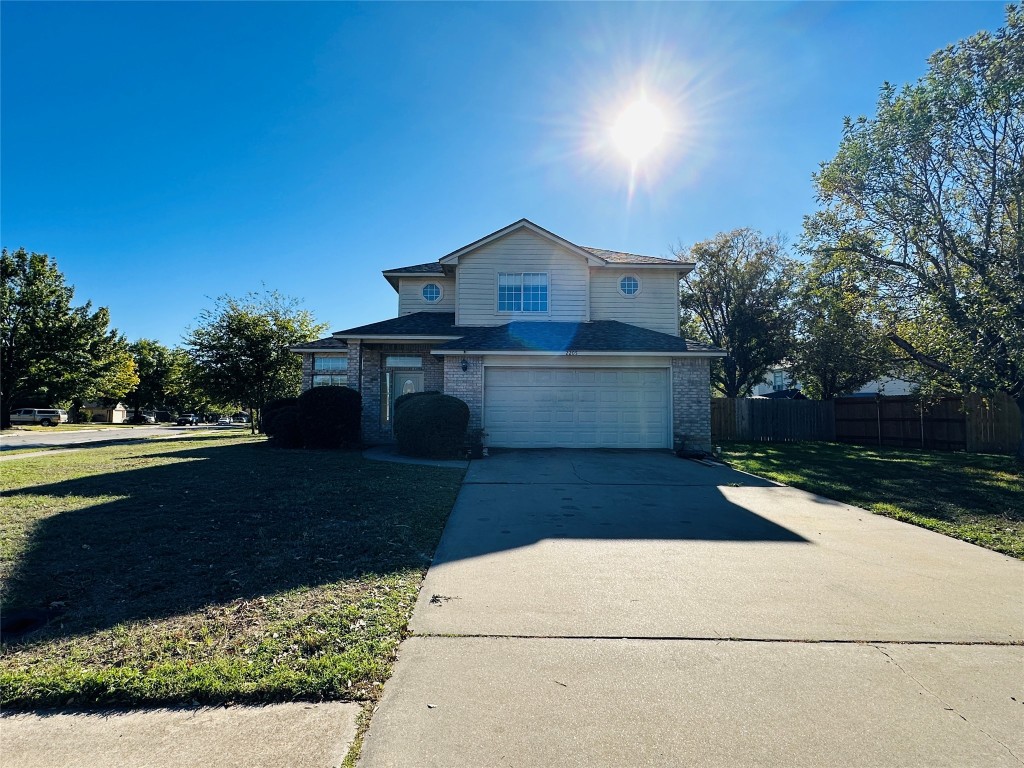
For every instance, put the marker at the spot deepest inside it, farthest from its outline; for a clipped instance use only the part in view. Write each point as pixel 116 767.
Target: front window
pixel 522 292
pixel 432 292
pixel 330 371
pixel 778 381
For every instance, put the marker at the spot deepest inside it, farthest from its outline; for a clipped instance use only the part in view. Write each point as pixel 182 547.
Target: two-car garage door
pixel 577 407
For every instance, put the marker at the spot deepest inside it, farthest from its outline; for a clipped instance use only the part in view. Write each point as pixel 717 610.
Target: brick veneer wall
pixel 307 371
pixel 466 385
pixel 691 401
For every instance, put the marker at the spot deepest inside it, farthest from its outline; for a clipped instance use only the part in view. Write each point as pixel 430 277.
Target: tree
pixel 840 346
pixel 928 197
pixel 738 298
pixel 154 364
pixel 240 348
pixel 50 351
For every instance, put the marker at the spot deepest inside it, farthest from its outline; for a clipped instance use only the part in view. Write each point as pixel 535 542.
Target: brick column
pixel 691 401
pixel 466 385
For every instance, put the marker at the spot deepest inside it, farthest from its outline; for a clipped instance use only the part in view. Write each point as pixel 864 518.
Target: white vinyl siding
pixel 410 295
pixel 655 305
pixel 521 251
pixel 584 407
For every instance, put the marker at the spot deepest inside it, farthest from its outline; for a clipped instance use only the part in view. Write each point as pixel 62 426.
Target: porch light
pixel 465 365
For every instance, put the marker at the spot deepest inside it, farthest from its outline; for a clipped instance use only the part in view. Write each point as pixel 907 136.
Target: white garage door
pixel 577 407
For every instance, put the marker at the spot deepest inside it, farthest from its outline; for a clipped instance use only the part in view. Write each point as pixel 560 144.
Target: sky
pixel 165 154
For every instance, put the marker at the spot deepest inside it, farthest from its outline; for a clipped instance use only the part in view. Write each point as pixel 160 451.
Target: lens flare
pixel 639 130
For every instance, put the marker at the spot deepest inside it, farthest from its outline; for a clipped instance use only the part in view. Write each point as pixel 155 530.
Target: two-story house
pixel 550 343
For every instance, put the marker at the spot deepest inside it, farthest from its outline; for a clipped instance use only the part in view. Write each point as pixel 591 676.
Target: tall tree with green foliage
pixel 154 364
pixel 928 196
pixel 51 352
pixel 240 348
pixel 738 298
pixel 840 345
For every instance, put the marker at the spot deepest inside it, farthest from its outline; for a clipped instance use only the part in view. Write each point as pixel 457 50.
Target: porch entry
pixel 397 383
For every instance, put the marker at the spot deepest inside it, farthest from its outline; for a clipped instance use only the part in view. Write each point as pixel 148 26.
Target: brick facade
pixel 466 385
pixel 307 370
pixel 691 401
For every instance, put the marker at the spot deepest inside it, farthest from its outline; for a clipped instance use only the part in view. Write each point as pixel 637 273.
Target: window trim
pixel 639 285
pixel 521 311
pixel 440 292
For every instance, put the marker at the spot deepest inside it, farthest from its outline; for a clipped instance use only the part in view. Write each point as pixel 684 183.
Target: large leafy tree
pixel 928 196
pixel 738 298
pixel 239 349
pixel 840 345
pixel 154 364
pixel 50 351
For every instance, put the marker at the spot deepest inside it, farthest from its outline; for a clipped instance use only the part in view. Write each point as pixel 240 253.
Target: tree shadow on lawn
pixel 218 524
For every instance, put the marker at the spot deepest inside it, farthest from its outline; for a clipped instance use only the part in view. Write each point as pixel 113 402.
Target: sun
pixel 639 130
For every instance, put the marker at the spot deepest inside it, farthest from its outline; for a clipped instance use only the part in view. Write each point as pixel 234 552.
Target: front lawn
pixel 211 569
pixel 974 497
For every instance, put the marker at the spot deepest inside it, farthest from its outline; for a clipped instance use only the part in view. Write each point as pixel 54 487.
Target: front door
pixel 401 383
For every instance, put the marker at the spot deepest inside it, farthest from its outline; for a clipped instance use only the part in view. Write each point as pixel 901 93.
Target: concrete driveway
pixel 629 608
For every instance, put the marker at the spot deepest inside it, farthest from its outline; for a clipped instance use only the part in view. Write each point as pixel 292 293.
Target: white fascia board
pixel 453 257
pixel 594 353
pixel 318 351
pixel 682 266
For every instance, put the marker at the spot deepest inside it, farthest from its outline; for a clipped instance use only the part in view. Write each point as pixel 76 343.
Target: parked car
pixel 223 421
pixel 142 418
pixel 44 416
pixel 187 419
pixel 240 419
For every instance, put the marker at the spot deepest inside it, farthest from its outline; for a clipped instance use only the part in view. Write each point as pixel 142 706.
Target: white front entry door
pixel 577 407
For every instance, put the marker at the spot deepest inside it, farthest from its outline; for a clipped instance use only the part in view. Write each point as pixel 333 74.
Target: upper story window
pixel 522 292
pixel 778 380
pixel 629 285
pixel 330 371
pixel 432 292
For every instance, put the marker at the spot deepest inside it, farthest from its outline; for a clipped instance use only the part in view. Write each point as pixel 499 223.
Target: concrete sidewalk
pixel 247 737
pixel 613 608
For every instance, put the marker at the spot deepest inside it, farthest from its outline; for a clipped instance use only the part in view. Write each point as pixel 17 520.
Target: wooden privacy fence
pixel 973 423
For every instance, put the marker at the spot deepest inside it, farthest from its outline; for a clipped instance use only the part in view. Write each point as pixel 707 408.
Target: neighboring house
pixel 114 414
pixel 779 379
pixel 549 343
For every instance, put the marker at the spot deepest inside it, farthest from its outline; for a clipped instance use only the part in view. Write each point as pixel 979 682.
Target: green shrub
pixel 284 427
pixel 330 417
pixel 433 426
pixel 270 408
pixel 403 399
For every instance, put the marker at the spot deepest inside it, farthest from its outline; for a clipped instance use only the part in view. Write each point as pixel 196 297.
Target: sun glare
pixel 639 130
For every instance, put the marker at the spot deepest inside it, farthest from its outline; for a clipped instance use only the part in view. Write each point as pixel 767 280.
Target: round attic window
pixel 432 292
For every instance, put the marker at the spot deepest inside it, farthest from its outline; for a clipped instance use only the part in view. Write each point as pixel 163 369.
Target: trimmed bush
pixel 268 410
pixel 284 426
pixel 403 399
pixel 433 426
pixel 330 417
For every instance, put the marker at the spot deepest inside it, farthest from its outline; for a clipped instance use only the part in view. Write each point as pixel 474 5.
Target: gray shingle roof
pixel 437 324
pixel 619 257
pixel 433 268
pixel 598 336
pixel 330 344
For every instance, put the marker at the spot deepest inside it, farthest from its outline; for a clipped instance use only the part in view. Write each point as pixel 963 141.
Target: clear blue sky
pixel 164 154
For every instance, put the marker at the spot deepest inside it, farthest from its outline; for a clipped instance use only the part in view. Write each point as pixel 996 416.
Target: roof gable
pixel 522 224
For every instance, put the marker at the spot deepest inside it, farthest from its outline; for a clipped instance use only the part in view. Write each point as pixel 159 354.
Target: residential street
pixel 613 608
pixel 21 440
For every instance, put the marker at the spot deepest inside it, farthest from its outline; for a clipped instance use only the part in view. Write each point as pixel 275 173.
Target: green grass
pixel 212 569
pixel 974 497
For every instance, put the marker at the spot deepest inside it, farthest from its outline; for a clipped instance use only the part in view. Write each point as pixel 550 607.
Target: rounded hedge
pixel 431 425
pixel 330 417
pixel 284 427
pixel 403 399
pixel 266 415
